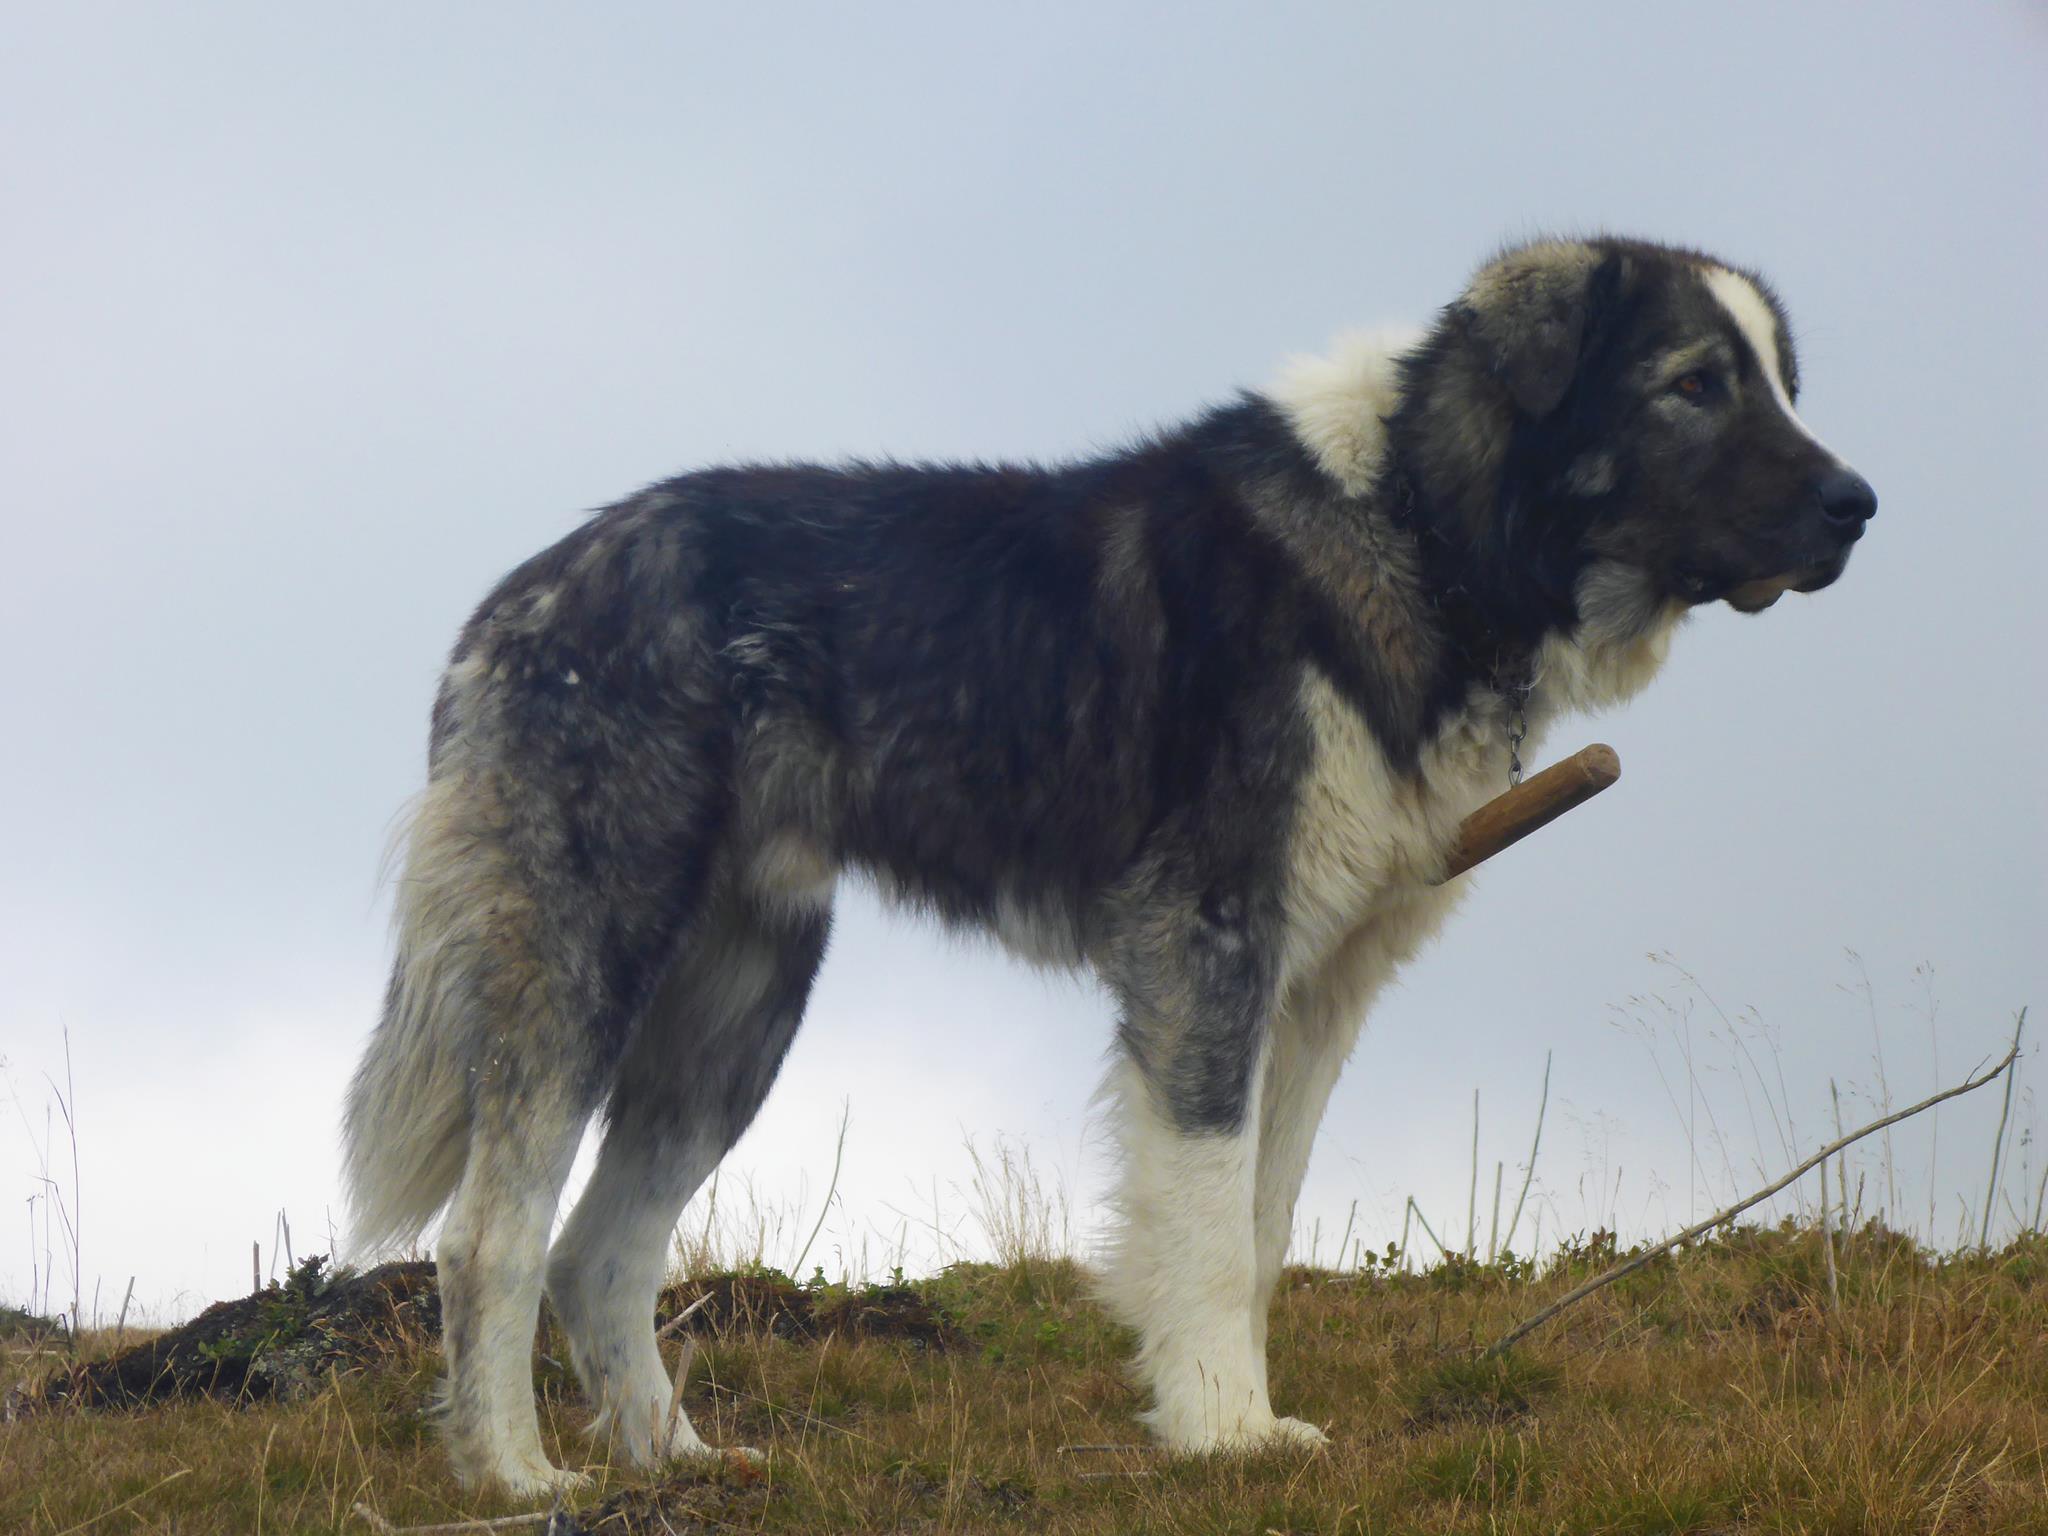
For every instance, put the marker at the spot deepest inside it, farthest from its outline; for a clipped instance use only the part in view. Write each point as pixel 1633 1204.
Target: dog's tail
pixel 459 919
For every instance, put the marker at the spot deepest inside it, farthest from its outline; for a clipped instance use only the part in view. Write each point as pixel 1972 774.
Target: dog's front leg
pixel 1182 1268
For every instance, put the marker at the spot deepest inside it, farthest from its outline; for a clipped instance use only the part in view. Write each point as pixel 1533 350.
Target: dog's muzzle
pixel 1845 504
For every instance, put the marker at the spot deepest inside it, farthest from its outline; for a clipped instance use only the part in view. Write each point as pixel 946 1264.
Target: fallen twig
pixel 682 1317
pixel 72 1530
pixel 794 1413
pixel 383 1527
pixel 1719 1218
pixel 1103 1450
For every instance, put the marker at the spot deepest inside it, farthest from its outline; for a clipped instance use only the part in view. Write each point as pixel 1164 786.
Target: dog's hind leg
pixel 475 1089
pixel 523 1137
pixel 522 972
pixel 698 1068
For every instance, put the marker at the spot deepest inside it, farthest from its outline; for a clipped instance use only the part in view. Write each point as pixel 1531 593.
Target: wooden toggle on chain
pixel 1535 802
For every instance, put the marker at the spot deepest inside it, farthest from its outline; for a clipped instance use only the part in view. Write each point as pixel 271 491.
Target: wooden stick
pixel 1628 1266
pixel 1536 802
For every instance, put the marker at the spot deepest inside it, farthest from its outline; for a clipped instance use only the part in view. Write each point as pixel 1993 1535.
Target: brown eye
pixel 1695 385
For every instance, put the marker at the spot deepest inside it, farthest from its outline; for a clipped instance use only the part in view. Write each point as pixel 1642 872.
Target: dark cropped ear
pixel 1527 314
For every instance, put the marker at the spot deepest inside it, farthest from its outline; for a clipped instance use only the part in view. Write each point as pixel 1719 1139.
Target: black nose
pixel 1846 498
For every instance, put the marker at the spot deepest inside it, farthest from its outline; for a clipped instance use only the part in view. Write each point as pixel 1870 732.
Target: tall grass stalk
pixel 1535 1146
pixel 1472 1193
pixel 1998 1139
pixel 831 1189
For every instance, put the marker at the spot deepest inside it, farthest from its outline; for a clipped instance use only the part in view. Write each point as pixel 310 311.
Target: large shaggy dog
pixel 1202 715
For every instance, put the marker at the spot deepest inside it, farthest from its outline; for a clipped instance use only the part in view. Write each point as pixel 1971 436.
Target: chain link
pixel 1518 698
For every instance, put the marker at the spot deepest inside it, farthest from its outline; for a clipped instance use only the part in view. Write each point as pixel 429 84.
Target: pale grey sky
pixel 314 322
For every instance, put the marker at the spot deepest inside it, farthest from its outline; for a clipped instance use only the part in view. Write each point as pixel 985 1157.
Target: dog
pixel 1202 715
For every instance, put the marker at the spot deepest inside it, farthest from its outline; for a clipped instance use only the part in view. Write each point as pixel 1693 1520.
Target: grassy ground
pixel 1714 1392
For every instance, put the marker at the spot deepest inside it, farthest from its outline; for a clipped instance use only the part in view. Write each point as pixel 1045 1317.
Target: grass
pixel 1714 1391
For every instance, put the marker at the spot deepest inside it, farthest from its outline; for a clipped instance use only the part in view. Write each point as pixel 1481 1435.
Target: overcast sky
pixel 313 322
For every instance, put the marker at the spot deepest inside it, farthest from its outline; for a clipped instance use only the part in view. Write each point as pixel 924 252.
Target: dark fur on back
pixel 1103 651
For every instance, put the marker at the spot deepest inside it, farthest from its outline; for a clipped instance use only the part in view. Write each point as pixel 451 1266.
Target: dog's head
pixel 1638 400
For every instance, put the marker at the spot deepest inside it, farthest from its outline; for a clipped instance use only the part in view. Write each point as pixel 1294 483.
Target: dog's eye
pixel 1695 386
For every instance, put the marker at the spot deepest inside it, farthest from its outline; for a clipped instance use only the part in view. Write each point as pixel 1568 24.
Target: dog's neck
pixel 1521 610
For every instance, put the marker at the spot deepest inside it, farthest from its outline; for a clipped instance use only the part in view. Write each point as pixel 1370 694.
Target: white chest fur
pixel 1365 833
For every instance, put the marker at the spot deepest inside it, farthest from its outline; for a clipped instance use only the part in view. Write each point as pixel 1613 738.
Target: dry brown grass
pixel 1714 1391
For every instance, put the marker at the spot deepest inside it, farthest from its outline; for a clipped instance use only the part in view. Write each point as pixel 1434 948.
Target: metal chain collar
pixel 1517 696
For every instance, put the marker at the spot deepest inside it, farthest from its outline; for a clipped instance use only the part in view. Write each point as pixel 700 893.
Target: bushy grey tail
pixel 407 1128
pixel 461 922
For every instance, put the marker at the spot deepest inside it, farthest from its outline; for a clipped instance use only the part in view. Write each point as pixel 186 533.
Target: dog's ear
pixel 1527 314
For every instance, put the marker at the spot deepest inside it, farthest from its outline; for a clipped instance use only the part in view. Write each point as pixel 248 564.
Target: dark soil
pixel 729 1495
pixel 769 1303
pixel 285 1340
pixel 281 1342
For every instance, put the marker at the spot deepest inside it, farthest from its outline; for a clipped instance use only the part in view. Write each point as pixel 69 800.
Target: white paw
pixel 1297 1432
pixel 1251 1433
pixel 539 1480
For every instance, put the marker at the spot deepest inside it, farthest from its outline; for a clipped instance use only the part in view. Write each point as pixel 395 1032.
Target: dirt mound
pixel 15 1323
pixel 284 1340
pixel 770 1303
pixel 281 1342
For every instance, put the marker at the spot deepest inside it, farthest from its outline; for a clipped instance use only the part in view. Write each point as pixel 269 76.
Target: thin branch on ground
pixel 1106 1449
pixel 683 1316
pixel 383 1527
pixel 1721 1218
pixel 85 1525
